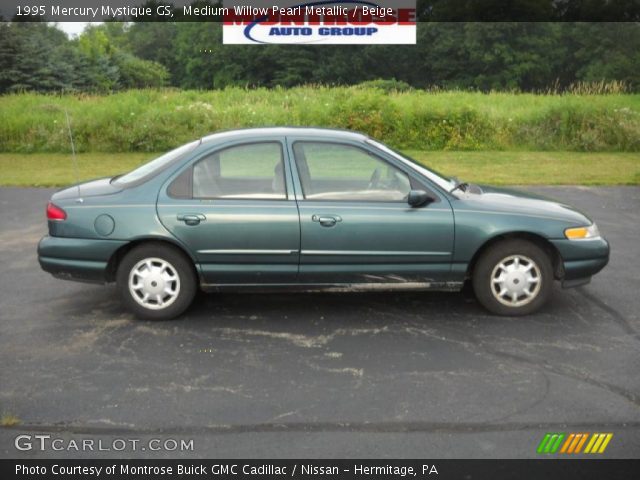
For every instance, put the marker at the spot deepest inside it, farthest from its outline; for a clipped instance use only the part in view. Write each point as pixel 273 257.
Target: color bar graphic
pixel 598 443
pixel 574 442
pixel 550 443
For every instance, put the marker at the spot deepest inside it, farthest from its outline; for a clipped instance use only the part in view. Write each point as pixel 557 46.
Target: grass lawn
pixel 536 168
pixel 498 168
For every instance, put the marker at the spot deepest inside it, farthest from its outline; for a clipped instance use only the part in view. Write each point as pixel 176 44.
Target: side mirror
pixel 418 198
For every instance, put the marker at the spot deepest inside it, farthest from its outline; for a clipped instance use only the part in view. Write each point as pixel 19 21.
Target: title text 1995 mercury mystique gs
pixel 310 208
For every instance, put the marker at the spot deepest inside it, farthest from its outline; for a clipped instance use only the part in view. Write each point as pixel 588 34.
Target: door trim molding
pixel 248 252
pixel 370 252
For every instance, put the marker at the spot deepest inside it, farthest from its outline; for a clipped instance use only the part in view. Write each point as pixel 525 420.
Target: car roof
pixel 324 133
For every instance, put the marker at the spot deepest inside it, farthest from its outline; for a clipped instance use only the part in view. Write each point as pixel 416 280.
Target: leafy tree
pixel 10 47
pixel 526 56
pixel 33 56
pixel 607 51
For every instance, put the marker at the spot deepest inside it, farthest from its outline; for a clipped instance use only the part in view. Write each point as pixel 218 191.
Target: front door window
pixel 330 171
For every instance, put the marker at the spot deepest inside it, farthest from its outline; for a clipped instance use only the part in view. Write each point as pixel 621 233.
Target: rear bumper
pixel 79 259
pixel 582 259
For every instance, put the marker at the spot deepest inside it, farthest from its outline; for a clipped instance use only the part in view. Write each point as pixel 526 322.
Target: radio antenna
pixel 73 155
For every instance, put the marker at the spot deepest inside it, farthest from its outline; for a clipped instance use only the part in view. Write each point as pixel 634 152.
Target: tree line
pixel 483 56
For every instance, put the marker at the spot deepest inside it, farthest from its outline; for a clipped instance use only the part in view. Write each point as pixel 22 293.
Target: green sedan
pixel 312 209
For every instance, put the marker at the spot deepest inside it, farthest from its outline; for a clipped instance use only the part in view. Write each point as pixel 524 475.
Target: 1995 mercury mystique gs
pixel 314 209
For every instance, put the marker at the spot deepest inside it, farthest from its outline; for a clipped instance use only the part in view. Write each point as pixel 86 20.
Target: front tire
pixel 156 281
pixel 513 277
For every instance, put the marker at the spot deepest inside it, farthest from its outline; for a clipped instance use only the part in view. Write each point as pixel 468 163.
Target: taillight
pixel 54 212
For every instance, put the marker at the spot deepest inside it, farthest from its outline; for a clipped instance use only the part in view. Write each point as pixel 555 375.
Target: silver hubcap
pixel 154 283
pixel 516 281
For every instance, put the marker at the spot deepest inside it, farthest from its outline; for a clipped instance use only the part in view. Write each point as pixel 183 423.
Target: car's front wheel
pixel 513 277
pixel 156 281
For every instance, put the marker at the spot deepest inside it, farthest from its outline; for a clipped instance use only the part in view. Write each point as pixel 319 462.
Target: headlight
pixel 582 233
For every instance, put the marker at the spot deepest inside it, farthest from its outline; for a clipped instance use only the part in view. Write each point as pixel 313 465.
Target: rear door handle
pixel 191 219
pixel 327 220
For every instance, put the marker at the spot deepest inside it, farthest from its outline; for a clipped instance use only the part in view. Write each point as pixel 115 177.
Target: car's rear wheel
pixel 513 277
pixel 156 281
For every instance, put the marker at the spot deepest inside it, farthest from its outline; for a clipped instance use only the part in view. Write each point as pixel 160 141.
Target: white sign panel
pixel 357 22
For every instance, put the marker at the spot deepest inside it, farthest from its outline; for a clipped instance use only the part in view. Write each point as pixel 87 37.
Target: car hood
pixel 92 188
pixel 519 202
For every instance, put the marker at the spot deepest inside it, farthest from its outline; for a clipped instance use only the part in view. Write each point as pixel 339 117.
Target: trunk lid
pixel 92 188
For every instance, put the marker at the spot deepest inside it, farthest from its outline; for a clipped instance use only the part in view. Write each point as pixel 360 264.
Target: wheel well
pixel 118 255
pixel 543 243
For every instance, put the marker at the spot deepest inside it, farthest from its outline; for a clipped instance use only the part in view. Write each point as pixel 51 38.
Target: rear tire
pixel 156 281
pixel 513 277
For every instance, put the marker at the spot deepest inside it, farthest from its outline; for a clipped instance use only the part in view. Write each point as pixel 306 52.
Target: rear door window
pixel 249 171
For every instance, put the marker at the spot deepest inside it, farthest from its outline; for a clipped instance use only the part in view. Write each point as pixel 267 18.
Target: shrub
pixel 157 119
pixel 386 85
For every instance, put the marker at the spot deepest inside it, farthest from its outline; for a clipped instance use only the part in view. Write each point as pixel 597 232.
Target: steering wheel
pixel 374 181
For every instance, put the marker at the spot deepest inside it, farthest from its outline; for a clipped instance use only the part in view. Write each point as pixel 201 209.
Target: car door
pixel 356 224
pixel 234 209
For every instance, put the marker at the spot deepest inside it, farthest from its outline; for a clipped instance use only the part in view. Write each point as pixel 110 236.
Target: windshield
pixel 440 180
pixel 155 165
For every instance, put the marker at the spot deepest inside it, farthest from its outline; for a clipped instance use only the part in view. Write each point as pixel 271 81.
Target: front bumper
pixel 79 259
pixel 582 259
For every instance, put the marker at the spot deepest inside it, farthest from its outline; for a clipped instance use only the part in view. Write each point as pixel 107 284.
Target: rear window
pixel 156 165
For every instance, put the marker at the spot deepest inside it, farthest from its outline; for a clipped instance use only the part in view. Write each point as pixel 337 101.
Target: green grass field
pixel 157 120
pixel 498 168
pixel 499 138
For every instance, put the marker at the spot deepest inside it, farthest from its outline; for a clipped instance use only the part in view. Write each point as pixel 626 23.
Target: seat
pixel 204 178
pixel 277 185
pixel 303 169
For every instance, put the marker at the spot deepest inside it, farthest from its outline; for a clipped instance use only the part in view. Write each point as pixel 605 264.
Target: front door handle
pixel 191 219
pixel 327 220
